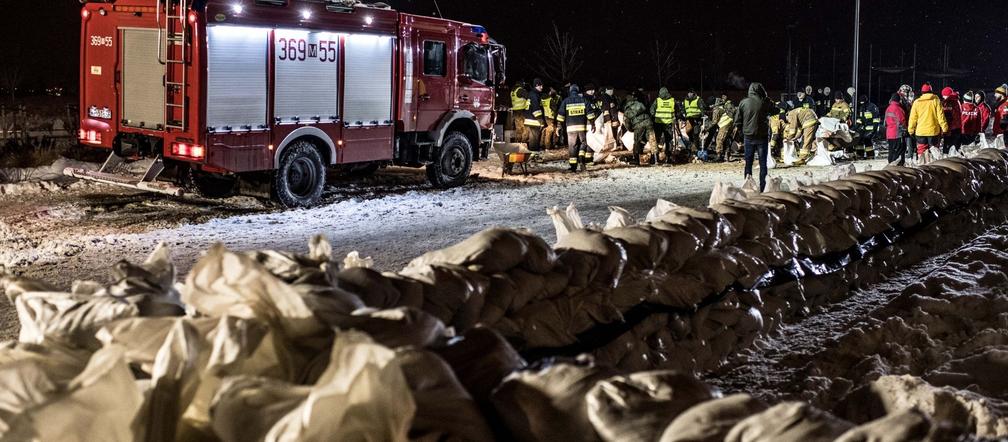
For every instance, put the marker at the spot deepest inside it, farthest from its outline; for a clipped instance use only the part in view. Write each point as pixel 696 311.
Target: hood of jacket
pixel 664 93
pixel 574 89
pixel 757 90
pixel 928 96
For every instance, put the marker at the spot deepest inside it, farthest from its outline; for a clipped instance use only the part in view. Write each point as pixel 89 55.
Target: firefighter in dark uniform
pixel 535 118
pixel 550 105
pixel 610 112
pixel 519 111
pixel 693 110
pixel 869 120
pixel 574 114
pixel 593 99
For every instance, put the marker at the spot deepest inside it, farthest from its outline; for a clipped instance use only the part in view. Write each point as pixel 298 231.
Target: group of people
pixel 685 129
pixel 544 119
pixel 914 126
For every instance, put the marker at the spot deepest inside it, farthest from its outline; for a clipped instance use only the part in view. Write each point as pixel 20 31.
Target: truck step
pixel 127 181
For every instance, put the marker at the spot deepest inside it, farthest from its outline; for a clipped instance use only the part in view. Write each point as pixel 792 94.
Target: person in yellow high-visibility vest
pixel 550 105
pixel 693 110
pixel 802 122
pixel 519 109
pixel 663 110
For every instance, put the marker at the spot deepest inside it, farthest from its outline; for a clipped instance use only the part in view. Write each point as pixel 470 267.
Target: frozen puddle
pixel 934 338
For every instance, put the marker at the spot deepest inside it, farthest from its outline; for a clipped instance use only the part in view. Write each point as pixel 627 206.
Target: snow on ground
pixel 393 217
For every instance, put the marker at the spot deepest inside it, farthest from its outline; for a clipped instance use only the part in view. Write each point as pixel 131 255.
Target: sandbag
pixel 246 408
pixel 565 221
pixel 492 251
pixel 481 359
pixel 612 255
pixel 660 209
pixel 453 294
pixel 645 246
pixel 639 406
pixel 373 288
pixel 723 192
pixel 788 421
pixel 822 156
pixel 548 403
pixel 712 420
pixel 444 410
pixel 100 403
pixel 904 426
pixel 363 395
pixel 619 217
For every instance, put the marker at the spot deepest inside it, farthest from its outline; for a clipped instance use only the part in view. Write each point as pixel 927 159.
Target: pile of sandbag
pixel 687 288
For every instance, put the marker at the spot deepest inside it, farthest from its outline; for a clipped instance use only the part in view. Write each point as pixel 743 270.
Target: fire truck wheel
pixel 453 163
pixel 299 180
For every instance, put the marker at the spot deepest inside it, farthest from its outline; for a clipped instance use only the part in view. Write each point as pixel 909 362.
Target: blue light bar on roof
pixel 478 30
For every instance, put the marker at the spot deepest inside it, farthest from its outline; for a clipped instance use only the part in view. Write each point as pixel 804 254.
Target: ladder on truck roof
pixel 173 30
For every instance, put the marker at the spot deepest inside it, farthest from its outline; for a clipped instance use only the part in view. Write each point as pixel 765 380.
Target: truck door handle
pixel 424 97
pixel 465 98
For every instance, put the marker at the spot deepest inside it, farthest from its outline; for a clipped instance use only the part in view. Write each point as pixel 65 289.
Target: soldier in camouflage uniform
pixel 637 119
pixel 724 112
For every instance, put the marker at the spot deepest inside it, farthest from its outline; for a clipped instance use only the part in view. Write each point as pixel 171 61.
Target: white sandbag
pixel 354 260
pixel 603 141
pixel 775 184
pixel 661 208
pixel 101 403
pixel 628 139
pixel 788 153
pixel 723 192
pixel 841 171
pixel 750 188
pixel 771 163
pixel 983 141
pixel 822 156
pixel 227 283
pixel 619 217
pixel 954 153
pixel 565 221
pixel 362 395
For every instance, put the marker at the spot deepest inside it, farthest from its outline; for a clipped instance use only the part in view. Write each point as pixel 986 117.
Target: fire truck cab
pixel 214 93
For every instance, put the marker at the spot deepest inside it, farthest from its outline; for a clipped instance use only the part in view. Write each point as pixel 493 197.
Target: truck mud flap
pixel 147 183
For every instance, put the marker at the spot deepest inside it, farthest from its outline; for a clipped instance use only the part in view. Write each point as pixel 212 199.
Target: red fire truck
pixel 214 93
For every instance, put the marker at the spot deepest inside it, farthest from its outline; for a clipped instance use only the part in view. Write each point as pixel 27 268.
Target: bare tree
pixel 663 57
pixel 560 58
pixel 11 76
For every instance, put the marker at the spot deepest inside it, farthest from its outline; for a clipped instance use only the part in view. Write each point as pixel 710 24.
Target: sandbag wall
pixel 267 345
pixel 696 285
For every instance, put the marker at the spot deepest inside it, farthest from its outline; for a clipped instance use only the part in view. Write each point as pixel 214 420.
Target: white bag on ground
pixel 771 163
pixel 841 171
pixel 354 260
pixel 775 184
pixel 723 192
pixel 750 188
pixel 565 221
pixel 788 153
pixel 822 156
pixel 619 217
pixel 363 395
pixel 659 210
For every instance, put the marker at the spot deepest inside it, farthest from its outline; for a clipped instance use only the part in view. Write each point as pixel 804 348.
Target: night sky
pixel 715 38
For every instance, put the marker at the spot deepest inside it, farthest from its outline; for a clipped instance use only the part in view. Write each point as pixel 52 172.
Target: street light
pixel 857 47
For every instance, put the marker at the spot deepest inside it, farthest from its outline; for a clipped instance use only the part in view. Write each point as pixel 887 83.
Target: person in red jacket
pixel 953 114
pixel 1001 114
pixel 896 129
pixel 970 119
pixel 985 111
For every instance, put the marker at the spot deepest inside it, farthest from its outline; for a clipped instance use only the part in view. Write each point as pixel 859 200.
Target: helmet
pixel 589 87
pixel 968 97
pixel 851 91
pixel 947 92
pixel 574 89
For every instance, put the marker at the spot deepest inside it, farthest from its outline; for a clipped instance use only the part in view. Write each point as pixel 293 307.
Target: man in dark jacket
pixel 574 116
pixel 638 119
pixel 752 120
pixel 610 112
pixel 534 117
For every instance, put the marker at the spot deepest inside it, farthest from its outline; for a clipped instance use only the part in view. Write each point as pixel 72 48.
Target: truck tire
pixel 300 177
pixel 453 163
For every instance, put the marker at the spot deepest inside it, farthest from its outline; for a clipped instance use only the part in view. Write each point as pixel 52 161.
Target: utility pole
pixel 857 46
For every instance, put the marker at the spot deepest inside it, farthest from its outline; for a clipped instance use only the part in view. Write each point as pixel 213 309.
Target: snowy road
pixel 392 217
